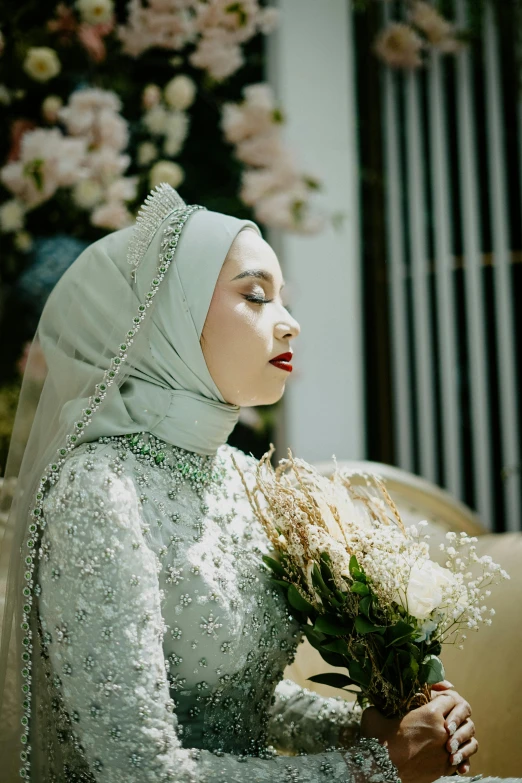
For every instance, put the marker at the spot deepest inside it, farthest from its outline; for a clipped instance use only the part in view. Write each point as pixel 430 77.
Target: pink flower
pixel 253 117
pixel 290 211
pixel 92 41
pixel 111 130
pixel 262 150
pixel 220 59
pixel 37 366
pixel 105 164
pixel 168 25
pixel 259 183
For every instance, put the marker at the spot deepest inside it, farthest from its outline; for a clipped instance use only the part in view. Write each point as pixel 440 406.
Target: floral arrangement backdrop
pixel 102 99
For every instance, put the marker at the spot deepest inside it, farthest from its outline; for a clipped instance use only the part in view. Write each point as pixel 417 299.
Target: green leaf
pixel 360 588
pixel 332 678
pixel 359 674
pixel 400 632
pixel 280 582
pixel 275 565
pixel 330 627
pixel 334 659
pixel 363 626
pixel 365 604
pixel 338 646
pixel 298 602
pixel 314 637
pixel 432 670
pixel 356 571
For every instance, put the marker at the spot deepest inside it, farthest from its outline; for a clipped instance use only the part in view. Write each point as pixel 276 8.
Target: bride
pixel 143 639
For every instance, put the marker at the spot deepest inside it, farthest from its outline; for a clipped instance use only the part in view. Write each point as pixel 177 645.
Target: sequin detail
pixel 146 689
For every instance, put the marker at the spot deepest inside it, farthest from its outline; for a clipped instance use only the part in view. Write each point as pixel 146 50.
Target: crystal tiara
pixel 162 201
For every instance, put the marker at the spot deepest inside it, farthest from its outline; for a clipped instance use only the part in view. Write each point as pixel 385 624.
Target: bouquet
pixel 363 585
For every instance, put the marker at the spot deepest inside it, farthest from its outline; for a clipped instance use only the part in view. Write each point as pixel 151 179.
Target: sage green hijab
pixel 166 388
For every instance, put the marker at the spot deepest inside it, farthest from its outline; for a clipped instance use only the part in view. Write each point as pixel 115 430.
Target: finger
pixel 456 716
pixel 464 733
pixel 464 768
pixel 464 752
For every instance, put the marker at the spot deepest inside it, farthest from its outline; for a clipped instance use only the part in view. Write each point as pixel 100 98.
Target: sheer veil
pixel 65 387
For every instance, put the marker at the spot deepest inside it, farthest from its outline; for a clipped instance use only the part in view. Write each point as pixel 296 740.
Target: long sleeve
pixel 100 609
pixel 302 721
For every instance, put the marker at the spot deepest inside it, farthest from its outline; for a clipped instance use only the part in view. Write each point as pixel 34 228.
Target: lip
pixel 283 357
pixel 283 361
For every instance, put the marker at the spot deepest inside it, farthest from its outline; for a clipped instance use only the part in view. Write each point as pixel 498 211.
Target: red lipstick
pixel 283 361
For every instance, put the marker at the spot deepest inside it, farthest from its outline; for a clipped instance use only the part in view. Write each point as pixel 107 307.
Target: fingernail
pixel 457 759
pixel 452 728
pixel 454 745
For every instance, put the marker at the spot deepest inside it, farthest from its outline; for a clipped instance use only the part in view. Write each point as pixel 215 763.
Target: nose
pixel 287 328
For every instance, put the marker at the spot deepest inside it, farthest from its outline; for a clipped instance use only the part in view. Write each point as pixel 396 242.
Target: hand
pixel 464 726
pixel 418 743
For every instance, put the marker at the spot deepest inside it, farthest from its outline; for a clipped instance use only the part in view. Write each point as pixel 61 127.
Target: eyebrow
pixel 260 273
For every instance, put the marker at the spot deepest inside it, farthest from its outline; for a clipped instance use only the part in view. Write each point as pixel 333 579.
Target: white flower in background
pixel 289 210
pixel 111 130
pixel 180 92
pixel 87 193
pixel 106 164
pixel 399 46
pixel 50 107
pixel 167 24
pixel 113 215
pixel 155 120
pixel 176 130
pixel 427 587
pixel 147 152
pixel 5 96
pixel 217 56
pixel 23 241
pixel 262 150
pixel 42 63
pixel 95 11
pixel 268 19
pixel 150 96
pixel 258 183
pixel 48 160
pixel 123 189
pixel 166 171
pixel 257 115
pixel 12 215
pixel 94 114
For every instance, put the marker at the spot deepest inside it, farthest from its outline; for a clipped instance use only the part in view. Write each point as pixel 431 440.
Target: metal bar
pixel 505 332
pixel 444 276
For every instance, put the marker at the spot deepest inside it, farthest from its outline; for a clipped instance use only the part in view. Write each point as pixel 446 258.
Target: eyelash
pixel 258 300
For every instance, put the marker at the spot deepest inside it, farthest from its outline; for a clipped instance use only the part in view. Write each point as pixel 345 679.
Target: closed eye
pixel 259 300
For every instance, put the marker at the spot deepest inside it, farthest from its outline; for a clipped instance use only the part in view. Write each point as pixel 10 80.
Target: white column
pixel 310 65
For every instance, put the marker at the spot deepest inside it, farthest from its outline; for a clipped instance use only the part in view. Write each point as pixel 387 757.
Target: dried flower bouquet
pixel 369 597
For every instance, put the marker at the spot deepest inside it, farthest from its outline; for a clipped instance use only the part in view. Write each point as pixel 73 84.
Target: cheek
pixel 233 328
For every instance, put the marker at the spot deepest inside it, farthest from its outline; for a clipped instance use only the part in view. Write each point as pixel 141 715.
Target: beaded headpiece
pixel 161 202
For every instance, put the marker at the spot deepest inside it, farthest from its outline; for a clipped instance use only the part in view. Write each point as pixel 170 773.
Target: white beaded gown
pixel 161 641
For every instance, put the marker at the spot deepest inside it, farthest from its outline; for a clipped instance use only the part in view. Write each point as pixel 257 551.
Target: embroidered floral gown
pixel 161 641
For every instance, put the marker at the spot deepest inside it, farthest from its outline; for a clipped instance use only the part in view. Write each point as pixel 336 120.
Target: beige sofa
pixel 488 671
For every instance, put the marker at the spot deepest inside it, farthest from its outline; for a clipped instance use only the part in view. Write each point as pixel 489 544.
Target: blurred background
pixel 379 146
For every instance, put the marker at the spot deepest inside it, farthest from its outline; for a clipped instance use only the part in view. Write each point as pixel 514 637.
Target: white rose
pixel 180 92
pixel 95 11
pixel 23 241
pixel 166 171
pixel 87 193
pixel 50 107
pixel 425 590
pixel 156 120
pixel 42 63
pixel 147 152
pixel 11 216
pixel 151 96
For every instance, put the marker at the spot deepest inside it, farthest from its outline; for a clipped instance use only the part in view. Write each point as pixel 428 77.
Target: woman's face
pixel 248 324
